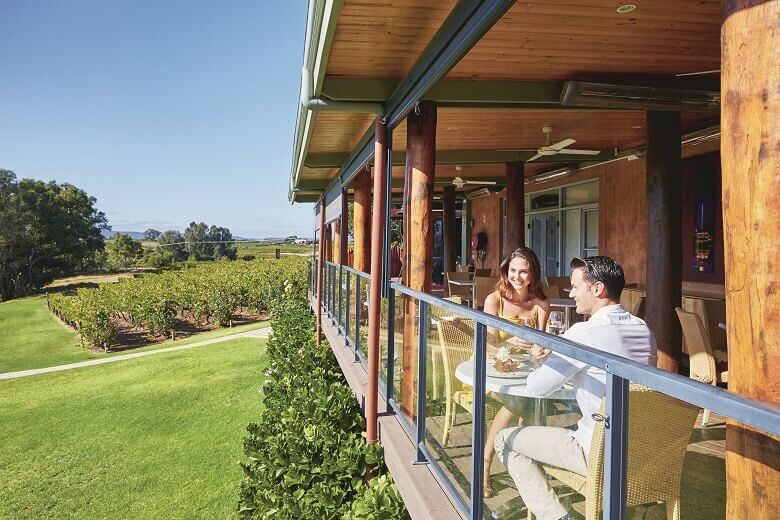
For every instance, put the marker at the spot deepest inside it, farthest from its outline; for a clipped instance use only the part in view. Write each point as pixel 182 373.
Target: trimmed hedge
pixel 306 455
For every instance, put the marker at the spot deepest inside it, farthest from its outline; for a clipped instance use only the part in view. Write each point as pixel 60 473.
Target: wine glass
pixel 555 324
pixel 531 324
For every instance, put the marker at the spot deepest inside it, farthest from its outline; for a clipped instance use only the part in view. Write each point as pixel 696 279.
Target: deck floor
pixel 703 486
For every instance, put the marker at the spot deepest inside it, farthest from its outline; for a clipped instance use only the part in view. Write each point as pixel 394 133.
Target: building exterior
pixel 453 124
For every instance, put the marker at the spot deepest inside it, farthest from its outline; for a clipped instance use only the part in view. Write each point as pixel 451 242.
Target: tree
pixel 224 248
pixel 124 251
pixel 47 230
pixel 173 242
pixel 151 234
pixel 159 258
pixel 196 236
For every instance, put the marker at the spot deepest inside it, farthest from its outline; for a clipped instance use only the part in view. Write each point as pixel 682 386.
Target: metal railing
pixel 619 372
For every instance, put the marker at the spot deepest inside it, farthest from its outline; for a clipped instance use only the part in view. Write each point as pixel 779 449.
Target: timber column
pixel 418 236
pixel 514 232
pixel 362 225
pixel 664 235
pixel 337 242
pixel 375 286
pixel 449 229
pixel 320 270
pixel 750 160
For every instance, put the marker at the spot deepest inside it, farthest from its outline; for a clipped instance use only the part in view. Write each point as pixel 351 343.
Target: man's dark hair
pixel 602 269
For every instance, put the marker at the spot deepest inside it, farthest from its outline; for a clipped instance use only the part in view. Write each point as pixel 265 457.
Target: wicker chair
pixel 456 344
pixel 703 360
pixel 637 307
pixel 552 291
pixel 485 273
pixel 483 286
pixel 659 428
pixel 463 291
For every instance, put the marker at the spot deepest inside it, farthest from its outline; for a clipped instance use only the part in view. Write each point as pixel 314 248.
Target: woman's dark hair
pixel 602 269
pixel 503 286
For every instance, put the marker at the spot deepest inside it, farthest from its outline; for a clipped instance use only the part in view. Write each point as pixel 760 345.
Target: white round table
pixel 516 386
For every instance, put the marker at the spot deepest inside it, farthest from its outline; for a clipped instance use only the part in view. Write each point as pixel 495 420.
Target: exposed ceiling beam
pixel 491 93
pixel 448 92
pixel 335 160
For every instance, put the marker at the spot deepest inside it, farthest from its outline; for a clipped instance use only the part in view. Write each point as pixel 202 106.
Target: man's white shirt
pixel 611 329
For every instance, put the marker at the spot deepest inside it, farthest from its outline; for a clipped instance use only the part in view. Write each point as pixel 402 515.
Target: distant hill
pixel 135 235
pixel 139 235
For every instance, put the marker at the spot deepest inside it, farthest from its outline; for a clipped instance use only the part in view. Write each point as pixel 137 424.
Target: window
pixel 576 208
pixel 581 194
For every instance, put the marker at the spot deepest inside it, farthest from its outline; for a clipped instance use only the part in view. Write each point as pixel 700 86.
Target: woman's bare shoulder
pixel 492 298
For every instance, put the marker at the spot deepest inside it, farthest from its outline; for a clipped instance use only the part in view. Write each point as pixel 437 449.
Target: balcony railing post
pixel 390 378
pixel 333 296
pixel 358 307
pixel 615 447
pixel 346 307
pixel 340 319
pixel 478 426
pixel 422 344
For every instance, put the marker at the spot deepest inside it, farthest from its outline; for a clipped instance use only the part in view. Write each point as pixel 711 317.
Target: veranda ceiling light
pixel 626 8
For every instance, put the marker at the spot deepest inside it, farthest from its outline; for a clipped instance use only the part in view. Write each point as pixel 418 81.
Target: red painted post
pixel 378 216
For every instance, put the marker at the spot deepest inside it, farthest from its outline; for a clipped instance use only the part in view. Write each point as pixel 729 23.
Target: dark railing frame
pixel 620 372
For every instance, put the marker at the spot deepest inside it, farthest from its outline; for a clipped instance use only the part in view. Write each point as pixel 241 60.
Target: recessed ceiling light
pixel 453 128
pixel 636 127
pixel 626 8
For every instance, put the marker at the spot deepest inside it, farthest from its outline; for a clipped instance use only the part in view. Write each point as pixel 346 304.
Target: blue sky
pixel 165 111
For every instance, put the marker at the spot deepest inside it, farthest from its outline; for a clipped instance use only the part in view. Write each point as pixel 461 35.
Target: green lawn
pixel 30 337
pixel 154 437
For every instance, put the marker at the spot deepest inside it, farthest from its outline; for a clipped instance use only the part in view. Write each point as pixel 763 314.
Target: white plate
pixel 520 372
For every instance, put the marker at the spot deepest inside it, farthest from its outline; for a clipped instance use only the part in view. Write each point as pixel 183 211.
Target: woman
pixel 518 298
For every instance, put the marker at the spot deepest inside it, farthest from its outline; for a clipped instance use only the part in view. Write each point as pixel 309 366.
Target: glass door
pixel 545 240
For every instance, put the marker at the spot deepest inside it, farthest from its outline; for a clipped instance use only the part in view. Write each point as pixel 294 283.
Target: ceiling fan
pixel 557 148
pixel 459 182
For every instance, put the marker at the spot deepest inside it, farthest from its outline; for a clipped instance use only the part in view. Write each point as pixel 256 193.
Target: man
pixel 596 284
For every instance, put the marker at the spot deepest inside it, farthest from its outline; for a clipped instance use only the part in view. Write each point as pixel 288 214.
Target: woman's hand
pixel 539 353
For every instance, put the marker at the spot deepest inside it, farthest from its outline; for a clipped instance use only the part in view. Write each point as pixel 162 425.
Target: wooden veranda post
pixel 375 287
pixel 514 232
pixel 362 224
pixel 449 229
pixel 418 237
pixel 337 242
pixel 664 235
pixel 328 242
pixel 750 160
pixel 320 270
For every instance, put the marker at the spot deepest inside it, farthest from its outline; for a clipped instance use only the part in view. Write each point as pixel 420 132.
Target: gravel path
pixel 257 333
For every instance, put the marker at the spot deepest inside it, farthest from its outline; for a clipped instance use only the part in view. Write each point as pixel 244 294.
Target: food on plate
pixel 504 363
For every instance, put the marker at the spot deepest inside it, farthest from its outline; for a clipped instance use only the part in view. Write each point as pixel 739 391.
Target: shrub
pixel 380 500
pixel 306 456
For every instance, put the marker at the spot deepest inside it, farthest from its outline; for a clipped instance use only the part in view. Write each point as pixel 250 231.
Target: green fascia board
pixel 335 160
pixel 449 92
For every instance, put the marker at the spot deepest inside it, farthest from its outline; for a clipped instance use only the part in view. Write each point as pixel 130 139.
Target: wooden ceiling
pixel 540 40
pixel 553 39
pixel 544 39
pixel 384 38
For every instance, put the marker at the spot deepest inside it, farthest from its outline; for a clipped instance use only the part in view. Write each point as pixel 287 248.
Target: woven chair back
pixel 697 340
pixel 483 286
pixel 659 429
pixel 483 272
pixel 462 291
